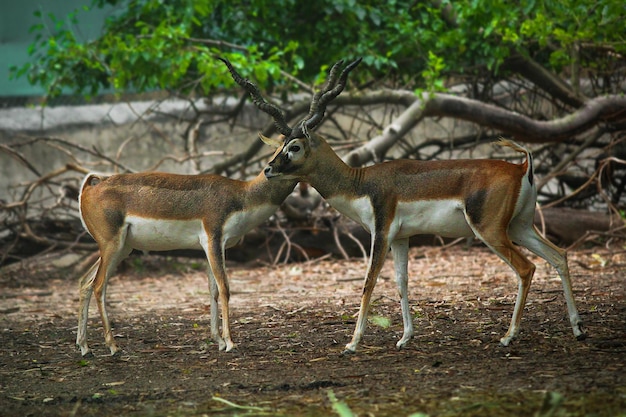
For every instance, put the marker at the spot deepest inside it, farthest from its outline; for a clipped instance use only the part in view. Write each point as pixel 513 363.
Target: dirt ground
pixel 290 323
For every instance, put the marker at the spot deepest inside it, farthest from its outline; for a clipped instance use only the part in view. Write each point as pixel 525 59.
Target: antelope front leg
pixel 216 262
pixel 214 294
pixel 400 251
pixel 377 259
pixel 224 291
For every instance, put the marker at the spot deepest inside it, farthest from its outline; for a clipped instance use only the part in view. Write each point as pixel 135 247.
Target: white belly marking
pixel 438 217
pixel 160 235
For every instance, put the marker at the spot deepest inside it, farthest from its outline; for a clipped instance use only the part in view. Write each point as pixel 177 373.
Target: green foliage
pixel 339 407
pixel 432 74
pixel 152 44
pixel 380 321
pixel 562 27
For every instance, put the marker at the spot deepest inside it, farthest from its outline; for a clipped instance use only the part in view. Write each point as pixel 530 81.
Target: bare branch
pixel 604 109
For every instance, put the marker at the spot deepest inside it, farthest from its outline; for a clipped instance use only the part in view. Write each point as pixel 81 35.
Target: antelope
pixel 493 200
pixel 157 211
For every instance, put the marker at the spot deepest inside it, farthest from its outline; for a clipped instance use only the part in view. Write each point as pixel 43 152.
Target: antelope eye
pixel 295 148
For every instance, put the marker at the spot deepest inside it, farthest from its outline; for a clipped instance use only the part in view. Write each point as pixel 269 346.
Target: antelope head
pixel 298 143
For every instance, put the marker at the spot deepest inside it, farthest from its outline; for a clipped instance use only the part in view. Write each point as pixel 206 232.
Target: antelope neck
pixel 263 190
pixel 334 178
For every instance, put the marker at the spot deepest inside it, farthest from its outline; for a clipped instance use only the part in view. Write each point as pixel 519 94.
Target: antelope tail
pixel 519 148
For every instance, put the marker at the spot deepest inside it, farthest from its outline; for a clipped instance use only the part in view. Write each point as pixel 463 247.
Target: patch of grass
pixel 339 407
pixel 380 321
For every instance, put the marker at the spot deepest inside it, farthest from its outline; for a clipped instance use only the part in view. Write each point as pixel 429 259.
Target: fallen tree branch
pixel 604 109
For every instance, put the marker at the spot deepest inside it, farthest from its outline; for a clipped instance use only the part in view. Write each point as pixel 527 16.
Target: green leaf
pixel 339 407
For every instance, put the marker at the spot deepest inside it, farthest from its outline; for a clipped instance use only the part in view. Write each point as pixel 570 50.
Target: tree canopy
pixel 151 44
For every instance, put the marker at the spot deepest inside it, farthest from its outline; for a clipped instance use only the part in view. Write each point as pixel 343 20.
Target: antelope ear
pixel 276 143
pixel 314 139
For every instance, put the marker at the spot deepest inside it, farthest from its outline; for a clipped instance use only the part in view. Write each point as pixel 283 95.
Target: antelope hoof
pixel 229 346
pixel 402 343
pixel 348 352
pixel 505 341
pixel 579 332
pixel 87 355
